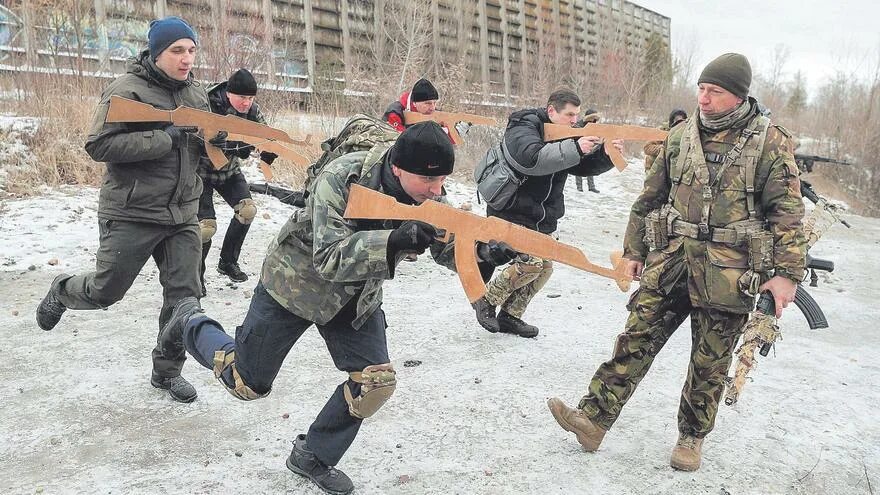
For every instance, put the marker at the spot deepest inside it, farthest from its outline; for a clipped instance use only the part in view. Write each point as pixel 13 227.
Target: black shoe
pixel 232 270
pixel 486 315
pixel 171 336
pixel 512 324
pixel 304 463
pixel 178 388
pixel 50 309
pixel 594 190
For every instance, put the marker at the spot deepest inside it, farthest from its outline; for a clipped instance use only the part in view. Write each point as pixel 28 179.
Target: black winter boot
pixel 178 388
pixel 512 324
pixel 486 315
pixel 50 309
pixel 231 270
pixel 304 463
pixel 171 336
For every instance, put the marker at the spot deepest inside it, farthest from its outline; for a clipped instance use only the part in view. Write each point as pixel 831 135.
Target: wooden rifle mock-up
pixel 608 132
pixel 260 136
pixel 448 120
pixel 468 229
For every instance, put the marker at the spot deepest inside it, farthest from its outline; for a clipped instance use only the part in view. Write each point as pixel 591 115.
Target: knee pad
pixel 378 382
pixel 207 228
pixel 245 211
pixel 524 273
pixel 224 361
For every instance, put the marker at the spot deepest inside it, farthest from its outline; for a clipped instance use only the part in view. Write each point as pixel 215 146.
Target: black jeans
pixel 265 338
pixel 233 190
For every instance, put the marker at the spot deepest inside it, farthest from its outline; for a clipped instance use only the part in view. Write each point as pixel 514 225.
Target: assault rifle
pixel 608 132
pixel 258 135
pixel 468 229
pixel 805 162
pixel 448 120
pixel 761 331
pixel 286 196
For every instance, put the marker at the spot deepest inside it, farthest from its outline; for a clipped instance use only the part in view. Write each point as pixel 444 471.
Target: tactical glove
pixel 496 253
pixel 268 157
pixel 412 237
pixel 178 134
pixel 239 149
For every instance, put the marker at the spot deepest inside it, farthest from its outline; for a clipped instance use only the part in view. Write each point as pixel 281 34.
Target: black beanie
pixel 242 83
pixel 423 90
pixel 424 149
pixel 675 113
pixel 731 71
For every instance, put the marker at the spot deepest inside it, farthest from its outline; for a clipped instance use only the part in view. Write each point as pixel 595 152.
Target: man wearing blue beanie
pixel 149 198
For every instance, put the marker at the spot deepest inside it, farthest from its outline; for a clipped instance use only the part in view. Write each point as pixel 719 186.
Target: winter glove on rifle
pixel 268 157
pixel 411 237
pixel 178 134
pixel 496 253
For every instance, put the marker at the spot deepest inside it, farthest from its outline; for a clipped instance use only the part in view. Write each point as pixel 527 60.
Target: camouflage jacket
pixel 220 105
pixel 320 260
pixel 714 269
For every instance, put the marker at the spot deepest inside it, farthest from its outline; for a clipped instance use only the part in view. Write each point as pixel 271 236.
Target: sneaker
pixel 171 336
pixel 232 270
pixel 304 463
pixel 508 323
pixel 178 388
pixel 50 309
pixel 486 315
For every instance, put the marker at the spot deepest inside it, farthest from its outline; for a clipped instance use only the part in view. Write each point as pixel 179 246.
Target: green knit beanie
pixel 731 71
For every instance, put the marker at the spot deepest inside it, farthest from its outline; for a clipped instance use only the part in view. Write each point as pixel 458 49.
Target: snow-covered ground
pixel 78 414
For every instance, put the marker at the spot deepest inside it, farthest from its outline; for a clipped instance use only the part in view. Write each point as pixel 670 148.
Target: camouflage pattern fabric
pixel 319 261
pixel 517 284
pixel 652 149
pixel 695 278
pixel 777 196
pixel 657 309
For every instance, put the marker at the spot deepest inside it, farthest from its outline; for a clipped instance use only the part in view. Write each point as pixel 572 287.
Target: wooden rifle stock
pixel 448 120
pixel 555 132
pixel 259 135
pixel 469 228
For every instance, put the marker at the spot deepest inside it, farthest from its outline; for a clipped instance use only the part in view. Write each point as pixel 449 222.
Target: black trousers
pixel 232 190
pixel 265 338
pixel 124 248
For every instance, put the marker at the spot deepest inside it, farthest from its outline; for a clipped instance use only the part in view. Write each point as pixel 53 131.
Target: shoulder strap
pixel 510 159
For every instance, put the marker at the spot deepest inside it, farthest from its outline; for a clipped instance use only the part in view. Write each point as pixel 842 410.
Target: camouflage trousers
pixel 654 315
pixel 517 284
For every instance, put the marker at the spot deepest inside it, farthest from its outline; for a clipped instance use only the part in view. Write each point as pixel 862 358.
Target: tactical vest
pixel 716 204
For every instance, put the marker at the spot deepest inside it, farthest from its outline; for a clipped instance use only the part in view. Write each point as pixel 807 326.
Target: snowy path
pixel 79 416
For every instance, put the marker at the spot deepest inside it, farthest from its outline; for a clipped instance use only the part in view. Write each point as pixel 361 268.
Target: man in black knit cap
pixel 326 270
pixel 232 97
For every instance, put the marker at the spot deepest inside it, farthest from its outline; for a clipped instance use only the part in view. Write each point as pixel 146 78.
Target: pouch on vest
pixel 497 181
pixel 761 251
pixel 658 226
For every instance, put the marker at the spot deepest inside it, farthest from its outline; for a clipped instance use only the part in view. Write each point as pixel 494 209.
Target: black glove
pixel 496 253
pixel 219 140
pixel 239 149
pixel 178 134
pixel 268 157
pixel 412 236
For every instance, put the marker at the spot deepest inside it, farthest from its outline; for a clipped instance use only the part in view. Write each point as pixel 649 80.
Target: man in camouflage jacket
pixel 725 179
pixel 232 97
pixel 149 197
pixel 326 270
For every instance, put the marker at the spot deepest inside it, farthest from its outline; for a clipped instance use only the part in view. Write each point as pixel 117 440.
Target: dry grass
pixel 56 147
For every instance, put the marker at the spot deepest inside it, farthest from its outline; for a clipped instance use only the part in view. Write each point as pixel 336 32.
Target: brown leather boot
pixel 589 435
pixel 687 453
